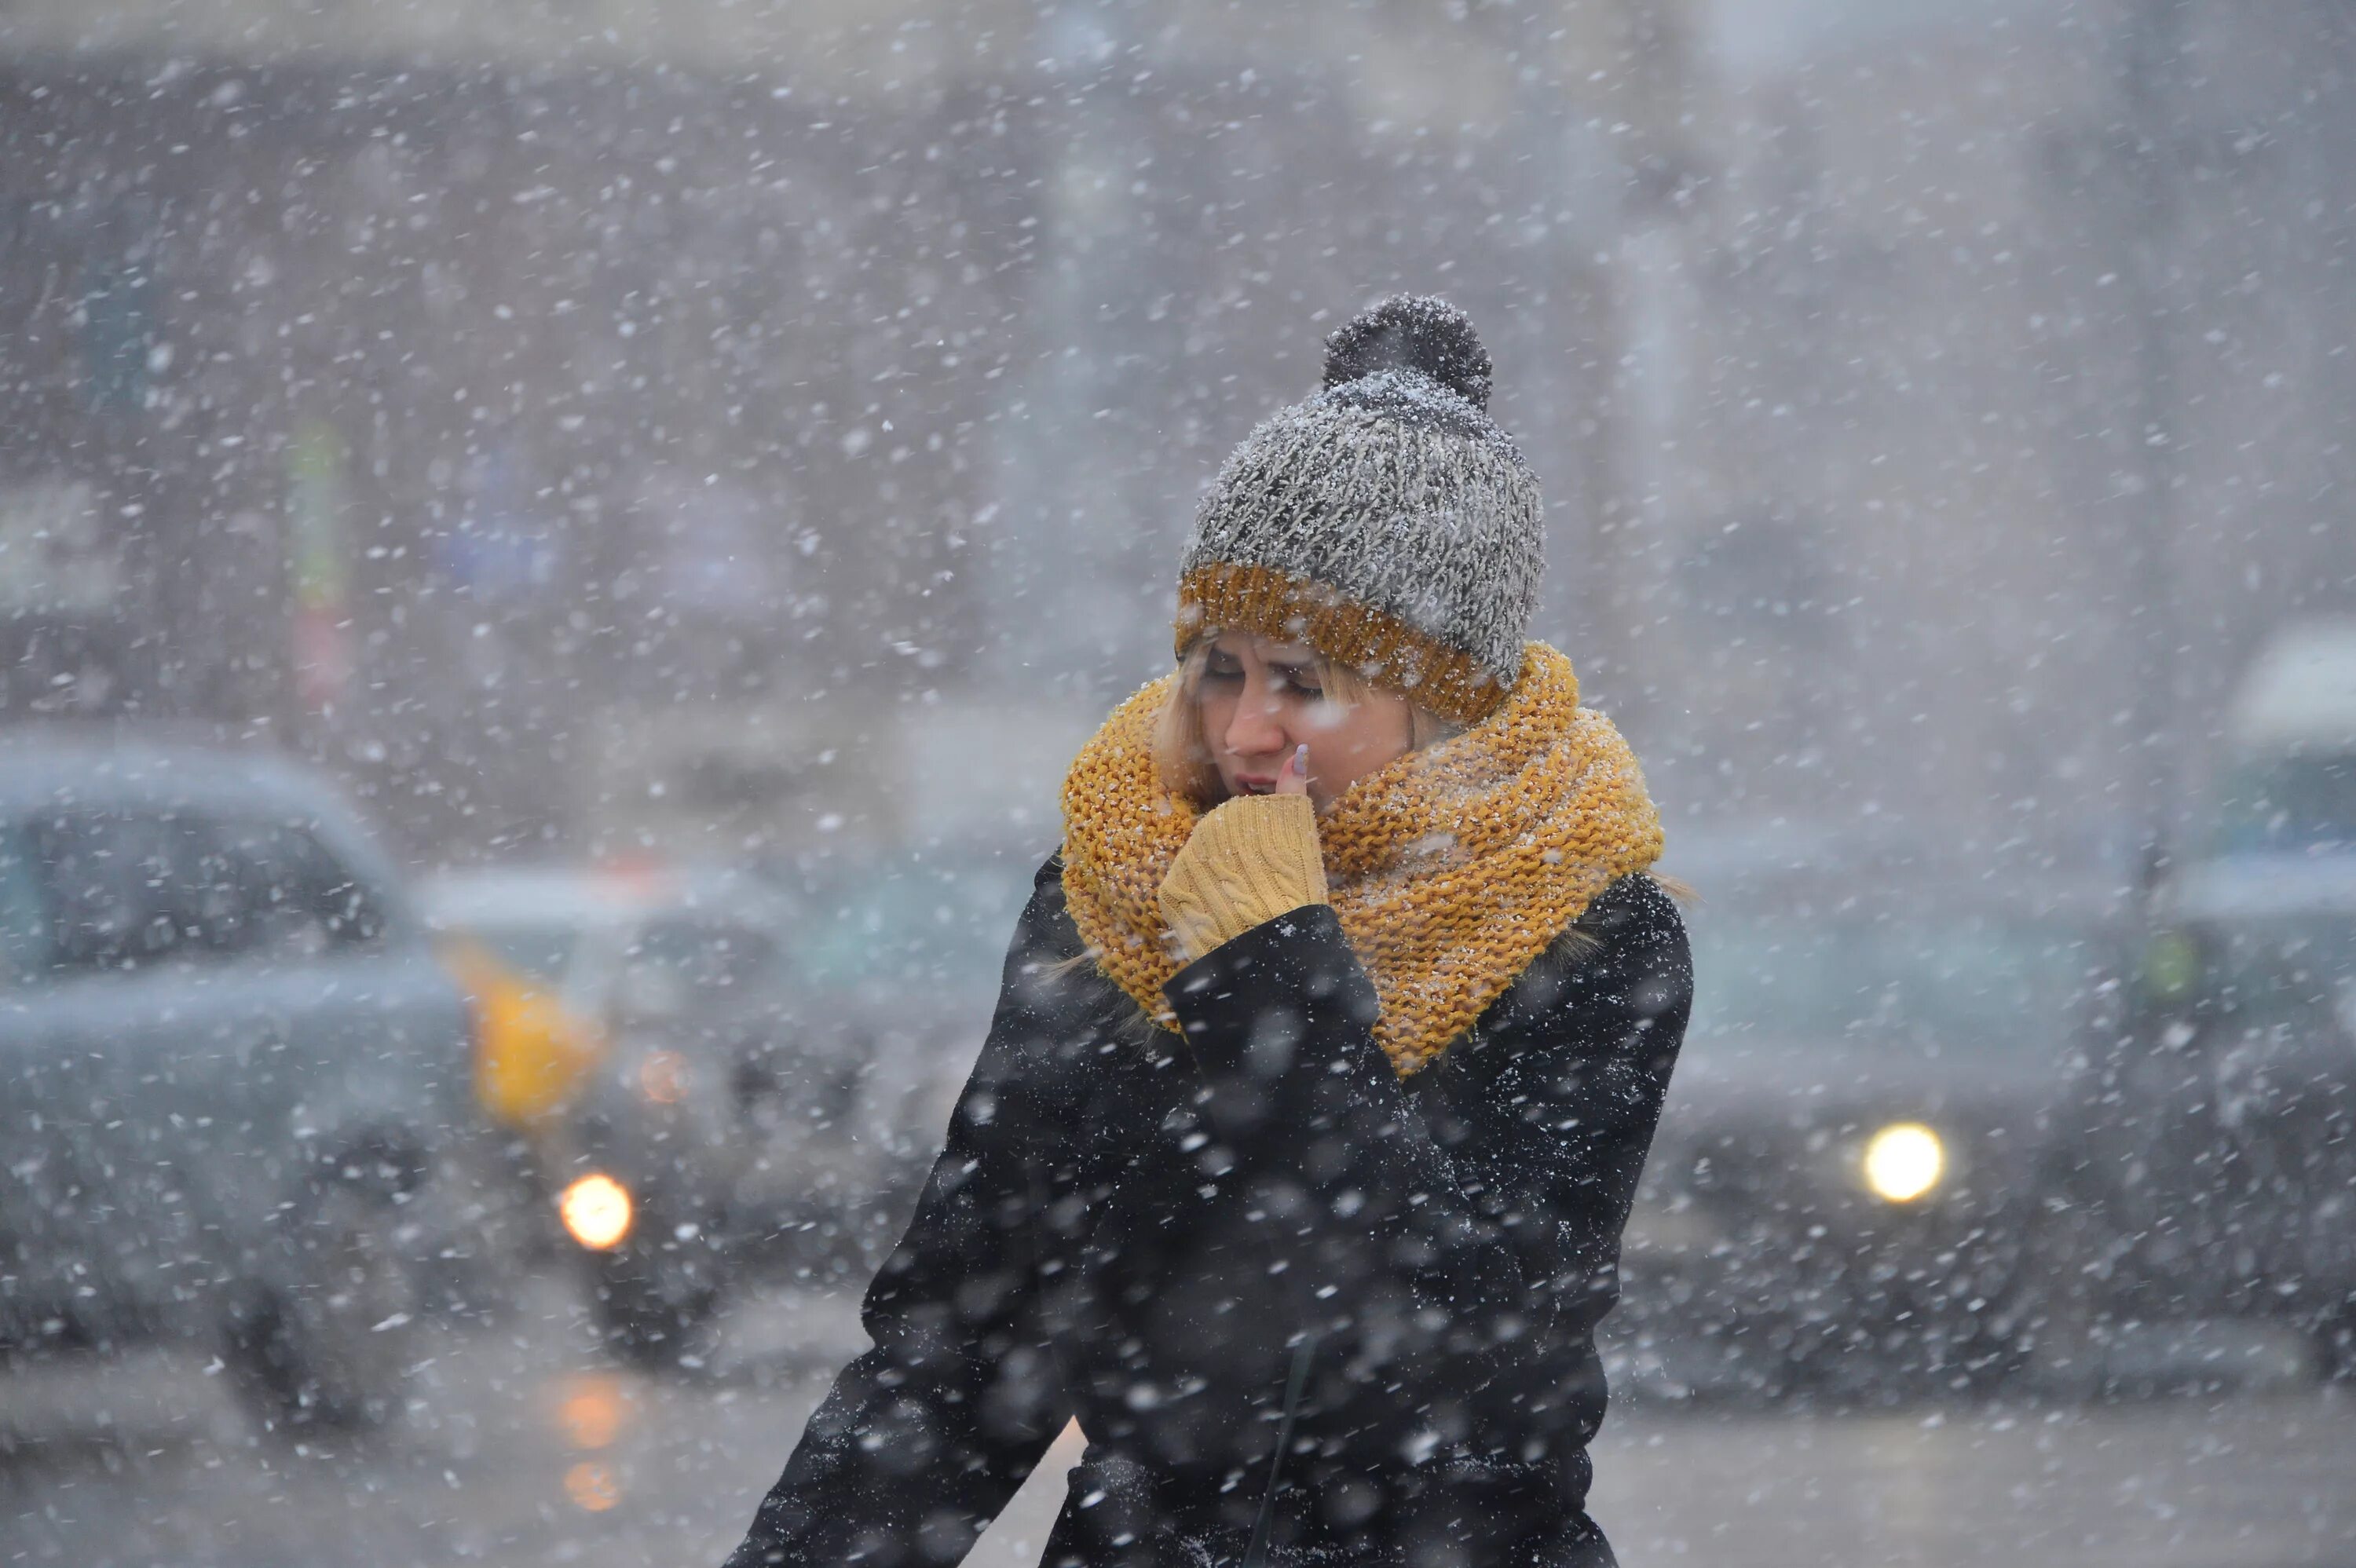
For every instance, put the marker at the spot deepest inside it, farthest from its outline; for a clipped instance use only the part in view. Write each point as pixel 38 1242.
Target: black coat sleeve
pixel 1460 1240
pixel 924 1438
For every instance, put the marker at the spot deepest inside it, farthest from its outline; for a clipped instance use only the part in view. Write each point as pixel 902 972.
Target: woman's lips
pixel 1255 785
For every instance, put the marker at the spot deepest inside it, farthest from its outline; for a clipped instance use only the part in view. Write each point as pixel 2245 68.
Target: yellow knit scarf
pixel 1451 869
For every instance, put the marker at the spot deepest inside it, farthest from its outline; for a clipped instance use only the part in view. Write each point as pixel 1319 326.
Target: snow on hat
pixel 1386 522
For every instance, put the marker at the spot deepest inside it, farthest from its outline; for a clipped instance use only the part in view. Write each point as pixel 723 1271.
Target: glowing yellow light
pixel 591 1412
pixel 597 1209
pixel 662 1077
pixel 1903 1161
pixel 592 1486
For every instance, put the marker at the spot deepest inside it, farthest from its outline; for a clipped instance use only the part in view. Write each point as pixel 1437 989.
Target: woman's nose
pixel 1254 730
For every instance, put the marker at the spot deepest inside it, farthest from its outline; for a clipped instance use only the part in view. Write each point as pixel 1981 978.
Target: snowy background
pixel 1935 403
pixel 758 436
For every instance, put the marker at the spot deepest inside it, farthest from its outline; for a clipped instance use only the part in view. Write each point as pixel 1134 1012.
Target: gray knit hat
pixel 1386 522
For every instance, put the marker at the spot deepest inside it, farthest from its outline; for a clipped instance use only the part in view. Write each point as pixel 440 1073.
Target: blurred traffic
pixel 551 568
pixel 712 1072
pixel 1844 1195
pixel 238 1106
pixel 1942 1130
pixel 271 1101
pixel 2212 1171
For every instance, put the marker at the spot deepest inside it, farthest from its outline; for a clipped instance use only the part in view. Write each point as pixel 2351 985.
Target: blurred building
pixel 421 416
pixel 494 411
pixel 2004 367
pixel 1934 403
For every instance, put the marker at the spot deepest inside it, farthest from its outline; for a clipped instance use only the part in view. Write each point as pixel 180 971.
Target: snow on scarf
pixel 1451 869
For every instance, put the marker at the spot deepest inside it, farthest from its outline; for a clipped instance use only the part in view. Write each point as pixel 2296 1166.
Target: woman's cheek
pixel 1212 717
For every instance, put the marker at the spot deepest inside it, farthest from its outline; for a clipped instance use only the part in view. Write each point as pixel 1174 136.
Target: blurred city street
pixel 580 585
pixel 526 1446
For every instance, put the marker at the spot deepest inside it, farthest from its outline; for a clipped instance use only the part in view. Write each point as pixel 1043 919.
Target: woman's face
pixel 1260 699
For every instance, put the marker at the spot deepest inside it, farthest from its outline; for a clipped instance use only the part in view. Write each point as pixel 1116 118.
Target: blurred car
pixel 2219 1172
pixel 898 958
pixel 1841 1196
pixel 779 1053
pixel 232 1067
pixel 618 1006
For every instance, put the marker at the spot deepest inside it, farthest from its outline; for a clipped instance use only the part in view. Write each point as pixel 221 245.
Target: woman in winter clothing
pixel 1295 1162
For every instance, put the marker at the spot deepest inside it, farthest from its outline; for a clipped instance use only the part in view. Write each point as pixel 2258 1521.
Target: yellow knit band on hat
pixel 1385 650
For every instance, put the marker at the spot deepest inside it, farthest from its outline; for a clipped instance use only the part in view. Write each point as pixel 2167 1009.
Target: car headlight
pixel 1903 1161
pixel 597 1210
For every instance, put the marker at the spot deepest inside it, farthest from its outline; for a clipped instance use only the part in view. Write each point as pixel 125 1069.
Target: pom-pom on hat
pixel 1386 522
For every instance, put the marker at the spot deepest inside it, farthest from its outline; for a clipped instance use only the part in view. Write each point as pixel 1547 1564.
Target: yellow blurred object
pixel 597 1210
pixel 531 1052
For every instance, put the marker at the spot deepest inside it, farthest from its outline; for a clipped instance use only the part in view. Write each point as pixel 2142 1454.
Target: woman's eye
pixel 1301 685
pixel 1214 672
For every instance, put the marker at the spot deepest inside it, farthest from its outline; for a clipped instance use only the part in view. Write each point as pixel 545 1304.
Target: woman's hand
pixel 1252 858
pixel 1293 777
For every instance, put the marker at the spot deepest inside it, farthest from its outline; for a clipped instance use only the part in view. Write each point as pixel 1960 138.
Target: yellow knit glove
pixel 1252 858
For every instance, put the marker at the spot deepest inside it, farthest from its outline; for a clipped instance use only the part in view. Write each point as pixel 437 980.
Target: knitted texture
pixel 1405 530
pixel 1450 870
pixel 1248 860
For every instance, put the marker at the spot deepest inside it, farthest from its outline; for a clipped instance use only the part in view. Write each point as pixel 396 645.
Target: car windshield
pixel 2299 804
pixel 708 953
pixel 934 924
pixel 538 951
pixel 675 967
pixel 1970 982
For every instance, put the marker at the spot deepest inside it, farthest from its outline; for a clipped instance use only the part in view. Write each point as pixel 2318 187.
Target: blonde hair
pixel 1181 752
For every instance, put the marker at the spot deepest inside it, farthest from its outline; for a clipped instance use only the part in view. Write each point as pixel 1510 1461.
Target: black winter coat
pixel 1167 1237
